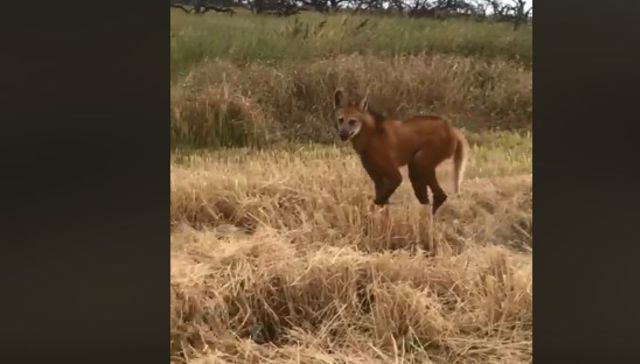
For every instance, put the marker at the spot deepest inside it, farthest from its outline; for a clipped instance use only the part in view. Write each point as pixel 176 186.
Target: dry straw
pixel 278 257
pixel 295 100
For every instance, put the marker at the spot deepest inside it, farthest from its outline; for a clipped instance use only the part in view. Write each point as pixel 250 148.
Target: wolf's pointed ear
pixel 364 104
pixel 338 98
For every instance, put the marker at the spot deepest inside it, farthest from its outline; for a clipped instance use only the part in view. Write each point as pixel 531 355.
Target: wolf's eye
pixel 340 120
pixel 352 122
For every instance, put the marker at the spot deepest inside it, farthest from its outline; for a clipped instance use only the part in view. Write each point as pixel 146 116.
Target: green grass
pixel 250 80
pixel 248 38
pixel 493 153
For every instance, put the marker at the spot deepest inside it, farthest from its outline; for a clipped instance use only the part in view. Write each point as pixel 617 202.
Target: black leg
pixel 392 179
pixel 386 178
pixel 419 183
pixel 378 180
pixel 439 197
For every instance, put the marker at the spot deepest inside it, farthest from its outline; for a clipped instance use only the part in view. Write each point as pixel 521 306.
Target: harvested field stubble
pixel 277 257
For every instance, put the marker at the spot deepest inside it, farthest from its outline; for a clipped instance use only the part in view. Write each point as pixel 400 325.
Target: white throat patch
pixel 353 135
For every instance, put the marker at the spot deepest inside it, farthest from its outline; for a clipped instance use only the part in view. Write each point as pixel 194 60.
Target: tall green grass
pixel 251 80
pixel 246 38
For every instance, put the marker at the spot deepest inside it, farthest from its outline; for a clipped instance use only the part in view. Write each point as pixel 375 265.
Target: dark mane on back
pixel 377 116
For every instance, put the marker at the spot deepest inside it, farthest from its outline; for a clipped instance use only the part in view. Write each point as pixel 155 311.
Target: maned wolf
pixel 422 142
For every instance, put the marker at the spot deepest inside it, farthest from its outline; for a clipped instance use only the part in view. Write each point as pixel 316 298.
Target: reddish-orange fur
pixel 420 142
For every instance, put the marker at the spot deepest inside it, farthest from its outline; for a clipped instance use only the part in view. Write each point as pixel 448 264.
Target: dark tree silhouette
pixel 200 7
pixel 514 11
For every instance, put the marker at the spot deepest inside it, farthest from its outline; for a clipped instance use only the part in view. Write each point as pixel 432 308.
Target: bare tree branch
pixel 178 6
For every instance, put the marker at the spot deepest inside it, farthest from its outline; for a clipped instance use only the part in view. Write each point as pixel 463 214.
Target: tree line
pixel 514 11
